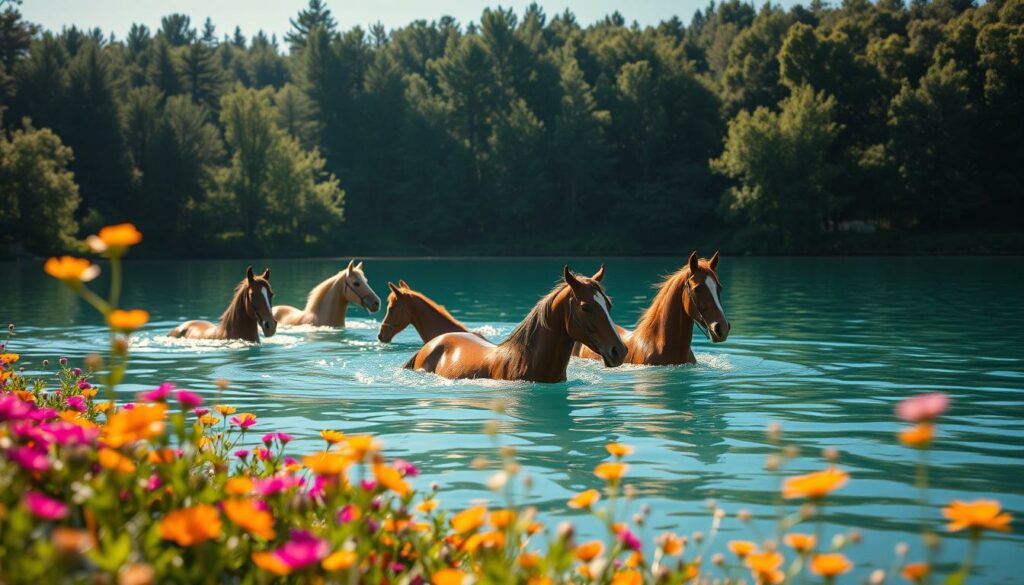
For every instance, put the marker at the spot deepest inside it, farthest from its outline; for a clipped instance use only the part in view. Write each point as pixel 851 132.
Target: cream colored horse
pixel 328 301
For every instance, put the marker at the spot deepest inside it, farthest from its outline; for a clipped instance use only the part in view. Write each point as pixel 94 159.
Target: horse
pixel 538 350
pixel 664 332
pixel 328 301
pixel 408 307
pixel 251 304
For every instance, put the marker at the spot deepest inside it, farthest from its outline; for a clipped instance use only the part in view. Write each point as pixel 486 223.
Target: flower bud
pixel 221 384
pixel 877 577
pixel 93 361
pixel 629 491
pixel 791 451
pixel 831 454
pixel 743 515
pixel 901 549
pixel 771 463
pixel 136 574
pixel 718 559
pixel 774 431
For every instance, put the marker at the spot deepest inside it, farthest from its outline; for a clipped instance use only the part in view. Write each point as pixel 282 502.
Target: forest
pixel 860 127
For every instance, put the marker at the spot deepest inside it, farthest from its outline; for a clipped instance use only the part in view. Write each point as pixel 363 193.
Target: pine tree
pixel 200 74
pixel 177 29
pixel 163 68
pixel 317 15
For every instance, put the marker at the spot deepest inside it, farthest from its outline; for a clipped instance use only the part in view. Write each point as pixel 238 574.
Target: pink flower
pixel 275 484
pixel 41 414
pixel 347 514
pixel 14 408
pixel 629 540
pixel 77 402
pixel 65 433
pixel 44 507
pixel 188 399
pixel 242 453
pixel 317 489
pixel 200 412
pixel 368 484
pixel 244 422
pixel 158 394
pixel 283 437
pixel 302 549
pixel 83 385
pixel 261 453
pixel 153 482
pixel 922 407
pixel 407 469
pixel 128 406
pixel 29 459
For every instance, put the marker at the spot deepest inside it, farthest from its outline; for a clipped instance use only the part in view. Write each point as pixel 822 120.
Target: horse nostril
pixel 615 351
pixel 716 328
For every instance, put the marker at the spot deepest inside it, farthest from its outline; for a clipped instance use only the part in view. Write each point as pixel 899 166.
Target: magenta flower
pixel 29 459
pixel 76 372
pixel 407 469
pixel 261 453
pixel 188 399
pixel 14 408
pixel 41 414
pixel 244 422
pixel 242 453
pixel 283 437
pixel 158 394
pixel 368 484
pixel 317 489
pixel 302 549
pixel 629 540
pixel 43 506
pixel 200 412
pixel 63 361
pixel 275 484
pixel 922 407
pixel 153 483
pixel 290 461
pixel 77 402
pixel 83 384
pixel 128 406
pixel 347 514
pixel 65 433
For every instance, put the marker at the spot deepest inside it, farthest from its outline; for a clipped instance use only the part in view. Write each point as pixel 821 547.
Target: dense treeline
pixel 765 129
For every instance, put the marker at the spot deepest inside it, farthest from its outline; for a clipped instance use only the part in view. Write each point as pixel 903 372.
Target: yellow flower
pixel 104 406
pixel 10 358
pixel 224 409
pixel 448 577
pixel 742 548
pixel 611 471
pixel 619 449
pixel 426 506
pixel 252 519
pixel 391 478
pixel 915 572
pixel 627 578
pixel 268 561
pixel 332 437
pixel 361 445
pixel 166 455
pixel 189 526
pixel 127 320
pixel 339 561
pixel 115 461
pixel 800 542
pixel 919 435
pixel 238 486
pixel 490 539
pixel 469 519
pixel 90 392
pixel 326 463
pixel 765 567
pixel 671 544
pixel 501 518
pixel 114 237
pixel 584 499
pixel 977 515
pixel 141 422
pixel 589 551
pixel 830 564
pixel 71 269
pixel 208 420
pixel 814 485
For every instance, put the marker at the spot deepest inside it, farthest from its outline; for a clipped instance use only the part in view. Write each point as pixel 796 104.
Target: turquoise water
pixel 823 346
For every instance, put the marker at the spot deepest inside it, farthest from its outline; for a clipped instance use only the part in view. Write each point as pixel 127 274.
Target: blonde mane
pixel 325 295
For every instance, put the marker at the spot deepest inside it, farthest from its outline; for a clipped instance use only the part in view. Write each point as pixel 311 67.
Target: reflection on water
pixel 824 346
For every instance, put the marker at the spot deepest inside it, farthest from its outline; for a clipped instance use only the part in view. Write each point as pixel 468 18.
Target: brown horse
pixel 408 307
pixel 664 333
pixel 540 347
pixel 252 304
pixel 328 301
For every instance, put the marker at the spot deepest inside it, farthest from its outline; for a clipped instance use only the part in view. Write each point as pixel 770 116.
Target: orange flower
pixel 448 577
pixel 332 437
pixel 627 578
pixel 589 551
pixel 90 392
pixel 268 561
pixel 244 513
pixel 584 499
pixel 977 515
pixel 71 270
pixel 742 548
pixel 9 358
pixel 25 395
pixel 765 567
pixel 391 478
pixel 830 564
pixel 189 526
pixel 115 237
pixel 671 544
pixel 127 320
pixel 238 486
pixel 800 542
pixel 611 472
pixel 915 572
pixel 208 420
pixel 469 519
pixel 326 463
pixel 162 455
pixel 224 409
pixel 427 506
pixel 141 422
pixel 539 580
pixel 501 518
pixel 361 445
pixel 115 461
pixel 528 560
pixel 814 485
pixel 619 449
pixel 339 561
pixel 919 435
pixel 104 407
pixel 490 539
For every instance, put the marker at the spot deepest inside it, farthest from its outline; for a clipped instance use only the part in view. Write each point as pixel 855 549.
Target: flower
pixel 208 420
pixel 244 420
pixel 339 561
pixel 922 407
pixel 630 577
pixel 275 484
pixel 326 462
pixel 361 445
pixel 238 486
pixel 830 564
pixel 501 518
pixel 426 506
pixel 915 572
pixel 611 471
pixel 391 478
pixel 628 539
pixel 269 561
pixel 742 548
pixel 71 270
pixel 332 437
pixel 129 425
pixel 977 515
pixel 589 551
pixel 800 542
pixel 127 320
pixel 29 459
pixel 193 525
pixel 77 403
pixel 919 435
pixel 814 485
pixel 188 399
pixel 115 461
pixel 671 544
pixel 114 238
pixel 469 519
pixel 158 394
pixel 302 549
pixel 406 468
pixel 584 499
pixel 252 519
pixel 348 514
pixel 224 409
pixel 765 566
pixel 448 577
pixel 43 506
pixel 619 449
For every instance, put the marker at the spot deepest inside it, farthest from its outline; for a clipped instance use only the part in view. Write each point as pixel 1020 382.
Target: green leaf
pixel 957 578
pixel 113 553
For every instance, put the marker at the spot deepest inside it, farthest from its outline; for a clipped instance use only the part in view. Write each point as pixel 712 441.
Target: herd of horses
pixel 574 319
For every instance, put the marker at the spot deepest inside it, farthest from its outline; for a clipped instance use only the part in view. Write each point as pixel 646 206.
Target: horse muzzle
pixel 614 356
pixel 719 331
pixel 371 306
pixel 269 327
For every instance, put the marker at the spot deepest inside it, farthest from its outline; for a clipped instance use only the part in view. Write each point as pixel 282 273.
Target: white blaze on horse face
pixel 266 297
pixel 599 300
pixel 713 287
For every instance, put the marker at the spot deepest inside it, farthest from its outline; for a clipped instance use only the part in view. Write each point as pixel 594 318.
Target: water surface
pixel 823 346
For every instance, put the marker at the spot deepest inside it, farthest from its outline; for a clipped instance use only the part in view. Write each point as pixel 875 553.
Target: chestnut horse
pixel 252 304
pixel 328 301
pixel 540 347
pixel 408 307
pixel 664 333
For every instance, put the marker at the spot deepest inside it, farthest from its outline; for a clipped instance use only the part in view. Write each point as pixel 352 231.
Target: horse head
pixel 261 300
pixel 355 288
pixel 702 298
pixel 399 312
pixel 589 319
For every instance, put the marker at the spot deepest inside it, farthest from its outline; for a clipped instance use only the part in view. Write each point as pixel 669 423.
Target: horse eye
pixel 357 284
pixel 586 307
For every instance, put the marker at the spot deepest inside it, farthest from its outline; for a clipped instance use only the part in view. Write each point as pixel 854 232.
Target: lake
pixel 824 346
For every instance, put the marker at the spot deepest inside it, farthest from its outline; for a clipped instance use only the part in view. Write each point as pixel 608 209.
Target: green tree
pixel 177 30
pixel 316 15
pixel 200 74
pixel 296 114
pixel 163 69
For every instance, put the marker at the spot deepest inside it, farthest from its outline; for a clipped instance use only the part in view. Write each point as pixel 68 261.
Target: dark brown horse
pixel 540 347
pixel 408 307
pixel 251 306
pixel 664 333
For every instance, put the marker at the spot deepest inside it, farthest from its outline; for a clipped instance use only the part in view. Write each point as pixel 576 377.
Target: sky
pixel 272 15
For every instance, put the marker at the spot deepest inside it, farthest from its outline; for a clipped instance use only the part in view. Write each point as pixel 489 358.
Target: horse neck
pixel 431 321
pixel 325 302
pixel 669 332
pixel 236 323
pixel 548 355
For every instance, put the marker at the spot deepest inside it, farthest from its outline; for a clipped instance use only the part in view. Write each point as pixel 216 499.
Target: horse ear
pixel 350 264
pixel 599 274
pixel 249 276
pixel 714 261
pixel 266 274
pixel 570 278
pixel 394 288
pixel 693 262
pixel 359 266
pixel 403 284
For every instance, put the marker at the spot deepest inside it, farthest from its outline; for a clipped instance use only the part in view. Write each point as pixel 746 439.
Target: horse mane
pixel 433 304
pixel 651 321
pixel 518 344
pixel 231 318
pixel 323 292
